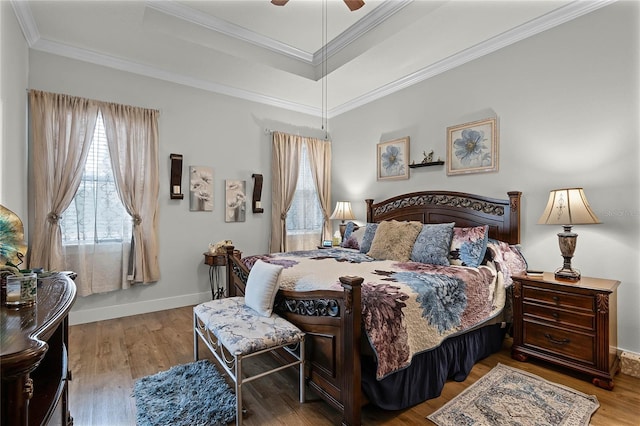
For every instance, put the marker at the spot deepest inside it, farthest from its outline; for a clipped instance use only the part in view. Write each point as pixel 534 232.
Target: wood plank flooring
pixel 107 357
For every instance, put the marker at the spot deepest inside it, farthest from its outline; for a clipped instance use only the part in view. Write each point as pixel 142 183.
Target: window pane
pixel 96 214
pixel 305 215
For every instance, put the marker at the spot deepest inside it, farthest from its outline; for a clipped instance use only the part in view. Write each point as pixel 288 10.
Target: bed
pixel 349 362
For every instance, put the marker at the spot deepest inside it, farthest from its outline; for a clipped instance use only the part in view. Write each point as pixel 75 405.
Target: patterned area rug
pixel 508 396
pixel 185 395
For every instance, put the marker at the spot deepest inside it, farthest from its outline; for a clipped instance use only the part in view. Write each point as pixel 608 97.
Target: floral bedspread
pixel 407 307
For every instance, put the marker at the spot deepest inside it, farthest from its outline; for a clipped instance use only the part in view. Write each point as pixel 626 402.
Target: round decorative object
pixel 13 248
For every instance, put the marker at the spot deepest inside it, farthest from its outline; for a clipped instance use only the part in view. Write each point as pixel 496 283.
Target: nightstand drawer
pixel 558 298
pixel 581 320
pixel 577 346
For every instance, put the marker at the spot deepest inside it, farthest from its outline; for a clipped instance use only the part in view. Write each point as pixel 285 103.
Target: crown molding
pixel 351 34
pixel 26 21
pixel 126 65
pixel 552 19
pixel 213 23
pixel 557 17
pixel 368 22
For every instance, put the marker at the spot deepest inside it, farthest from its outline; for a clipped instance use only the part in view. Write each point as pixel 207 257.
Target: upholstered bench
pixel 234 331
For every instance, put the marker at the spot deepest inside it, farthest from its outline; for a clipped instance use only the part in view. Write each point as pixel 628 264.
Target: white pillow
pixel 262 286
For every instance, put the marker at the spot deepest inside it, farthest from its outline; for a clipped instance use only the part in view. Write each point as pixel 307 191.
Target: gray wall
pixel 567 103
pixel 14 65
pixel 224 133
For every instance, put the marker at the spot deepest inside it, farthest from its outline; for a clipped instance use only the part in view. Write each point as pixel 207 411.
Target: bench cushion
pixel 242 330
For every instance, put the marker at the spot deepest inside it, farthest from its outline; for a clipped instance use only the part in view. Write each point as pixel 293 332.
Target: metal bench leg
pixel 195 337
pixel 238 389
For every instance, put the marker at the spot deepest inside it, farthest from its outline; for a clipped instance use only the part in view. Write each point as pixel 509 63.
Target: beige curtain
pixel 285 159
pixel 132 135
pixel 319 152
pixel 62 129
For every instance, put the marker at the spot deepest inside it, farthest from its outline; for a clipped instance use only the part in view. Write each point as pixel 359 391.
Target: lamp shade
pixel 568 207
pixel 343 211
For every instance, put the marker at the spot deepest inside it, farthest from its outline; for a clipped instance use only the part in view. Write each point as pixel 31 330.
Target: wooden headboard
pixel 502 216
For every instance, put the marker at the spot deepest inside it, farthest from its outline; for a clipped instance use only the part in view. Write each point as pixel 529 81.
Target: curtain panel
pixel 320 159
pixel 132 135
pixel 62 130
pixel 285 167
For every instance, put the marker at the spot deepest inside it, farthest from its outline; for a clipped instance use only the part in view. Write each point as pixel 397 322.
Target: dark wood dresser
pixel 572 324
pixel 33 358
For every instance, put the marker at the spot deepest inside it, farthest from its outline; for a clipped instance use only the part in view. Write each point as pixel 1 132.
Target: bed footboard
pixel 332 323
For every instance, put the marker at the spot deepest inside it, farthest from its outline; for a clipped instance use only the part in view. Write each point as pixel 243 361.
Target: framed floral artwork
pixel 200 188
pixel 236 200
pixel 472 147
pixel 393 159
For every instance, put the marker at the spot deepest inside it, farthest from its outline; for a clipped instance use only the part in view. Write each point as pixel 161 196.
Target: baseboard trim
pixel 630 364
pixel 125 310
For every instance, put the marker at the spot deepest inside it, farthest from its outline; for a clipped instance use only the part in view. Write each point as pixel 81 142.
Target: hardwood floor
pixel 107 357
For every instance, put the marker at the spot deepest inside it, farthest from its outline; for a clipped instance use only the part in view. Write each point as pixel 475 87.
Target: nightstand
pixel 571 324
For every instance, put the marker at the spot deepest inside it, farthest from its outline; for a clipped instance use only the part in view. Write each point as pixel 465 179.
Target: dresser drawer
pixel 559 298
pixel 581 320
pixel 566 343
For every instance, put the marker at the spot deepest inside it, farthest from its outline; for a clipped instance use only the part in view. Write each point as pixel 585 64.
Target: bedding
pixel 407 307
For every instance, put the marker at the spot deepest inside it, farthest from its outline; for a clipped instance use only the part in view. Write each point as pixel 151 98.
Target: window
pixel 96 214
pixel 305 215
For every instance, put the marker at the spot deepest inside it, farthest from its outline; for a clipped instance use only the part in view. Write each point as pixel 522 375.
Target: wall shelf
pixel 432 163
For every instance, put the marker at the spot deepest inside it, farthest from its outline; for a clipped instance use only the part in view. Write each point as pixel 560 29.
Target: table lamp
pixel 343 212
pixel 567 207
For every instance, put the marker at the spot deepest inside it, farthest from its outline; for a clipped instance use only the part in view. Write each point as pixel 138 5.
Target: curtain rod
pixel 96 100
pixel 268 131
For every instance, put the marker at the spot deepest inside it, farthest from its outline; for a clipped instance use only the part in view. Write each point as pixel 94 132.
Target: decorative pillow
pixel 358 234
pixel 353 237
pixel 351 226
pixel 262 286
pixel 469 245
pixel 433 244
pixel 351 243
pixel 367 238
pixel 394 240
pixel 507 258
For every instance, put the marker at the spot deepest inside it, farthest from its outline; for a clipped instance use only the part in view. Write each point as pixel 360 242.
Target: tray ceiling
pixel 284 55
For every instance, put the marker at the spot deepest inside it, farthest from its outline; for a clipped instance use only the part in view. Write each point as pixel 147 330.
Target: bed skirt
pixel 428 372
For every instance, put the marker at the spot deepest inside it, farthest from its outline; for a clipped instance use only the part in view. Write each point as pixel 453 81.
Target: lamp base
pixel 343 229
pixel 567 274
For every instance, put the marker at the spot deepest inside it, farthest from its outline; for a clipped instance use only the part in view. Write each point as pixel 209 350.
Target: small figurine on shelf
pixel 428 158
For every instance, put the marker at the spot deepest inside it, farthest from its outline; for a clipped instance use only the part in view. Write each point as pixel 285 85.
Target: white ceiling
pixel 254 50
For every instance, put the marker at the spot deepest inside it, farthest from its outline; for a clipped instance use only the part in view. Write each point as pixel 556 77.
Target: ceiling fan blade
pixel 279 2
pixel 354 4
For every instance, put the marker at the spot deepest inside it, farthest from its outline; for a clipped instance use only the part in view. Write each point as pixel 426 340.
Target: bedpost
pixel 352 385
pixel 514 219
pixel 369 202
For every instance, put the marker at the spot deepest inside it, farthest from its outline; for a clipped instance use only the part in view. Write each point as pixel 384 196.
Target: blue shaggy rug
pixel 185 395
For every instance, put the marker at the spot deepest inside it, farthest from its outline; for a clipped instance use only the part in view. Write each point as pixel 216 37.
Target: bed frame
pixel 332 319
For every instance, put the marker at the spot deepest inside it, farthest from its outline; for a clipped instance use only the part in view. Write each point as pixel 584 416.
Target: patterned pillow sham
pixel 507 258
pixel 433 244
pixel 353 236
pixel 468 246
pixel 349 228
pixel 394 240
pixel 367 238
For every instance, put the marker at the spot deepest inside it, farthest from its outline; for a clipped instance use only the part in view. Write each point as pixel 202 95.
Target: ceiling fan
pixel 351 4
